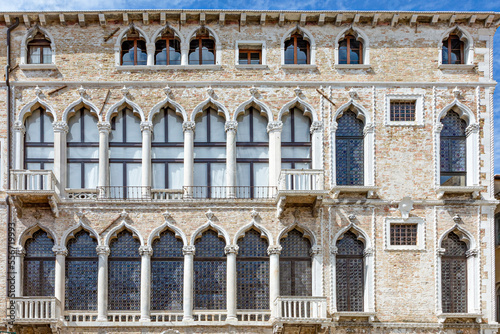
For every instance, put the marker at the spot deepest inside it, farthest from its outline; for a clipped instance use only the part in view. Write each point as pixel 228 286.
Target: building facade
pixel 248 172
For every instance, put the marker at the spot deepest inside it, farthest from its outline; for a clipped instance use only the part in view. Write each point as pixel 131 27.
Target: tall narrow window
pixel 81 273
pixel 124 280
pixel 296 140
pixel 252 155
pixel 349 146
pixel 297 50
pixel 253 272
pixel 295 265
pixel 210 272
pixel 83 150
pixel 209 155
pixel 454 275
pixel 39 265
pixel 453 150
pixel 350 51
pixel 202 50
pixel 453 50
pixel 39 50
pixel 167 150
pixel 168 49
pixel 167 273
pixel 125 146
pixel 39 143
pixel 134 49
pixel 349 273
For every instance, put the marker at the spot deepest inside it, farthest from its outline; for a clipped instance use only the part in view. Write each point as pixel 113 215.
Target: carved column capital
pixel 188 250
pixel 18 251
pixel 274 250
pixel 368 252
pixel 316 126
pixel 274 126
pixel 438 127
pixel 147 126
pixel 440 251
pixel 315 250
pixel 60 127
pixel 19 127
pixel 334 250
pixel 104 127
pixel 472 252
pixel 473 128
pixel 145 250
pixel 188 126
pixel 232 249
pixel 59 250
pixel 231 126
pixel 369 128
pixel 103 250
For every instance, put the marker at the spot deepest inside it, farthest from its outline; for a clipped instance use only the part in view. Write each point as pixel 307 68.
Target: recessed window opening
pixel 349 147
pixel 133 49
pixel 202 49
pixel 295 265
pixel 39 265
pixel 402 111
pixel 350 51
pixel 39 143
pixel 404 234
pixel 453 50
pixel 250 56
pixel 350 274
pixel 39 50
pixel 453 150
pixel 454 275
pixel 168 49
pixel 296 140
pixel 297 50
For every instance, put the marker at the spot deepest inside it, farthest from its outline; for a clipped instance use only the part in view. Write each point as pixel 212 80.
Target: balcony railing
pixel 124 193
pixel 223 192
pixel 301 180
pixel 32 180
pixel 301 308
pixel 37 309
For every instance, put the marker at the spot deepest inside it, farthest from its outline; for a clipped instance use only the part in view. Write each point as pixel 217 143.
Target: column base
pixel 187 318
pixel 101 318
pixel 232 318
pixel 146 319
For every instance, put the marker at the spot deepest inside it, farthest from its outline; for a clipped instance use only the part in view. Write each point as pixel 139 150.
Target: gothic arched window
pixel 39 265
pixel 349 147
pixel 453 150
pixel 210 272
pixel 295 265
pixel 39 50
pixel 453 50
pixel 297 50
pixel 454 275
pixel 252 272
pixel 168 49
pixel 202 49
pixel 296 140
pixel 83 150
pixel 39 143
pixel 350 50
pixel 349 273
pixel 133 49
pixel 167 272
pixel 81 273
pixel 124 280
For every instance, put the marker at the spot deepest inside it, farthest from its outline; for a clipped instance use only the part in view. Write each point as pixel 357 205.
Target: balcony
pixel 37 310
pixel 300 310
pixel 300 187
pixel 33 188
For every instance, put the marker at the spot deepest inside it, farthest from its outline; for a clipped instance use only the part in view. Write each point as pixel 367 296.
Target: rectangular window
pixel 403 111
pixel 250 57
pixel 404 234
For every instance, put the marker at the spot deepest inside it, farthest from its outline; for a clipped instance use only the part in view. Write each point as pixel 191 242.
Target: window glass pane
pixel 116 135
pixel 47 55
pixel 83 152
pixel 444 52
pixel 249 152
pixel 302 51
pixel 217 127
pixel 243 133
pixel 209 152
pixel 34 55
pixel 354 54
pixel 259 128
pixel 218 174
pixel 302 126
pixel 455 57
pixel 33 166
pixel 343 53
pixel 255 58
pixel 175 175
pixel 33 123
pixel 175 52
pixel 261 174
pixel 142 56
pixel 158 178
pixel 289 50
pixel 161 57
pixel 175 132
pixel 200 174
pixel 74 175
pixel 200 132
pixel 208 55
pixel 48 166
pixel 134 174
pixel 91 175
pixel 91 131
pixel 125 152
pixel 296 152
pixel 167 152
pixel 286 133
pixel 243 58
pixel 48 129
pixel 159 134
pixel 116 174
pixel 194 52
pixel 74 132
pixel 133 128
pixel 39 152
pixel 243 174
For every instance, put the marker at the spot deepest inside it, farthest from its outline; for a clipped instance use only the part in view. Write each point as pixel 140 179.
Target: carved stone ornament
pixel 19 251
pixel 210 215
pixel 369 128
pixel 125 91
pixel 188 250
pixel 438 127
pixel 440 251
pixel 274 250
pixel 211 92
pixel 353 94
pixel 19 126
pixel 316 126
pixel 167 215
pixel 297 91
pixel 38 92
pixel 254 91
pixel 274 126
pixel 368 252
pixel 80 214
pixel 103 250
pixel 456 93
pixel 334 250
pixel 147 126
pixel 231 126
pixel 123 214
pixel 351 218
pixel 254 214
pixel 188 126
pixel 104 127
pixel 405 206
pixel 457 219
pixel 471 129
pixel 60 127
pixel 59 250
pixel 232 249
pixel 315 250
pixel 472 252
pixel 145 250
pixel 168 91
pixel 81 91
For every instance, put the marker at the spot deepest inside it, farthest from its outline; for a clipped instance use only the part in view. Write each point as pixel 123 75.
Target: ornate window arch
pixel 167 47
pixel 38 47
pixel 133 48
pixel 456 46
pixel 203 47
pixel 39 264
pixel 298 47
pixel 39 139
pixel 360 42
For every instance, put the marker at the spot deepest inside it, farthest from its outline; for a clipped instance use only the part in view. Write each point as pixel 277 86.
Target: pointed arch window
pixel 453 150
pixel 202 49
pixel 133 49
pixel 167 150
pixel 349 146
pixel 252 154
pixel 297 50
pixel 350 273
pixel 39 50
pixel 124 276
pixel 350 50
pixel 454 275
pixel 39 143
pixel 453 50
pixel 83 150
pixel 252 272
pixel 39 265
pixel 81 272
pixel 295 265
pixel 168 49
pixel 167 272
pixel 296 140
pixel 210 272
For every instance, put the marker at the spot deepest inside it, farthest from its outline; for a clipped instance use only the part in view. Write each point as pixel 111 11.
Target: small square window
pixel 250 54
pixel 404 234
pixel 250 57
pixel 403 111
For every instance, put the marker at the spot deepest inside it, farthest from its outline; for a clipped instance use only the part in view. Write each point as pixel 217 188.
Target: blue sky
pixel 416 5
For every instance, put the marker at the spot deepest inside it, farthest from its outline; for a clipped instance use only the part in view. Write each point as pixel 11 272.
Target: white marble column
pixel 147 129
pixel 188 252
pixel 59 273
pixel 19 131
pixel 274 130
pixel 150 49
pixel 274 277
pixel 317 271
pixel 369 292
pixel 104 130
pixel 185 55
pixel 60 132
pixel 145 252
pixel 231 127
pixel 18 283
pixel 102 283
pixel 231 252
pixel 317 144
pixel 188 128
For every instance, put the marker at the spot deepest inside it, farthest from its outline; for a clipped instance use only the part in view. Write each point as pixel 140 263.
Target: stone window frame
pixel 240 43
pixel 421 236
pixel 360 36
pixel 312 48
pixel 150 48
pixel 419 109
pixel 30 34
pixel 464 36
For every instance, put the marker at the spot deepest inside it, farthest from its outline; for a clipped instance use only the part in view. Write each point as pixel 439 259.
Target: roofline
pixel 140 11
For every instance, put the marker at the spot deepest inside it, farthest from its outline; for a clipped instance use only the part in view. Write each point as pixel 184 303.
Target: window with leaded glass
pixel 81 272
pixel 167 153
pixel 453 50
pixel 210 272
pixel 404 234
pixel 350 50
pixel 349 146
pixel 167 272
pixel 453 150
pixel 252 272
pixel 202 49
pixel 403 111
pixel 125 154
pixel 39 265
pixel 296 140
pixel 124 276
pixel 454 275
pixel 168 49
pixel 209 155
pixel 39 50
pixel 349 273
pixel 83 150
pixel 133 49
pixel 295 265
pixel 252 155
pixel 39 142
pixel 297 50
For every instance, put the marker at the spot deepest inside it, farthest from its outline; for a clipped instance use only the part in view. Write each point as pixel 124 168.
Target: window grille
pixel 403 111
pixel 296 140
pixel 39 143
pixel 453 150
pixel 295 265
pixel 252 272
pixel 350 273
pixel 210 272
pixel 167 273
pixel 124 280
pixel 404 234
pixel 454 275
pixel 39 265
pixel 349 148
pixel 81 273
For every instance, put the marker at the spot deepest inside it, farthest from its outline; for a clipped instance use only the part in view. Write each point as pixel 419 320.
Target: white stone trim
pixel 264 109
pixel 192 32
pixel 28 233
pixel 253 224
pixel 209 224
pixel 420 222
pixel 465 37
pixel 360 36
pixel 114 109
pixel 307 36
pixel 119 39
pixel 28 109
pixel 120 227
pixel 179 110
pixel 167 225
pixel 262 44
pixel 70 233
pixel 304 230
pixel 70 109
pixel 23 63
pixel 301 104
pixel 419 109
pixel 221 109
